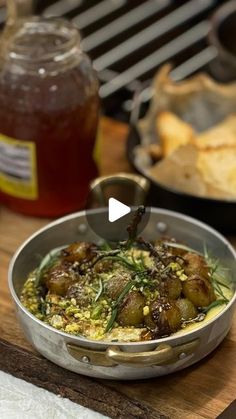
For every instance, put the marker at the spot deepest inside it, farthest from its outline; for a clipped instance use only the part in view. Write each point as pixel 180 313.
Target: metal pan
pixel 220 214
pixel 115 360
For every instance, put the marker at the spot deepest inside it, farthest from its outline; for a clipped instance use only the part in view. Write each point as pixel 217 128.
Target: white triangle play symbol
pixel 117 210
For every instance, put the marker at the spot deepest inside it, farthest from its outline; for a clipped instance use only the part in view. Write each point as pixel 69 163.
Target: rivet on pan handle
pixel 140 184
pixel 163 354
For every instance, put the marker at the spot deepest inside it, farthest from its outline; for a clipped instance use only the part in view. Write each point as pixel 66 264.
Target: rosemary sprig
pixel 135 263
pixel 101 255
pixel 122 260
pixel 100 290
pixel 205 251
pixel 142 260
pixel 112 319
pixel 182 247
pixel 214 304
pixel 215 268
pixel 218 290
pixel 125 291
pixel 105 246
pixel 222 284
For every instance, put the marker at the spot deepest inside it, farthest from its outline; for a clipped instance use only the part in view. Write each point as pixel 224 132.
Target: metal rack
pixel 128 40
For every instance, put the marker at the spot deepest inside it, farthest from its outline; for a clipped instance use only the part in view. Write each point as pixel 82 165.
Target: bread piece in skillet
pixel 173 132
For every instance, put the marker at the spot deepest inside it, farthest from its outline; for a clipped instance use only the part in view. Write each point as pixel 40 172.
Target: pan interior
pixel 68 230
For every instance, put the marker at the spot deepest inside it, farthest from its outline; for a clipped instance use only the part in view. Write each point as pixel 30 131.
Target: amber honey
pixel 48 119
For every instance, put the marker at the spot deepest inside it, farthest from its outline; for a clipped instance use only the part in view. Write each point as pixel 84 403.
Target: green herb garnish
pixel 111 320
pixel 182 247
pixel 105 246
pixel 213 304
pixel 125 291
pixel 215 269
pixel 96 312
pixel 100 290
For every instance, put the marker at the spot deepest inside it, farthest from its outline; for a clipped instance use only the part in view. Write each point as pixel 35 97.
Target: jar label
pixel 18 175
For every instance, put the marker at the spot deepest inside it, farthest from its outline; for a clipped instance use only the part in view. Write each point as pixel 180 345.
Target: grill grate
pixel 129 40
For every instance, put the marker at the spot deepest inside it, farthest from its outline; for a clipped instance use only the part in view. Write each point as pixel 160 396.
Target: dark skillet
pixel 220 214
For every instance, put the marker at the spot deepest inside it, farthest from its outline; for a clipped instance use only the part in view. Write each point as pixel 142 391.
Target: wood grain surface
pixel 201 391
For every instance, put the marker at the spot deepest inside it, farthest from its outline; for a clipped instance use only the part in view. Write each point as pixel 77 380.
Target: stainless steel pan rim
pixel 103 344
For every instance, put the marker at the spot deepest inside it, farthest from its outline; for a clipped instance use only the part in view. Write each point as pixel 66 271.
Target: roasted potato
pixel 195 264
pixel 79 252
pixel 199 291
pixel 116 284
pixel 187 309
pixel 171 287
pixel 130 312
pixel 59 278
pixel 164 317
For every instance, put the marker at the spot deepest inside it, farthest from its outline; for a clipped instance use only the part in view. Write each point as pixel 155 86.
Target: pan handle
pixel 163 354
pixel 141 185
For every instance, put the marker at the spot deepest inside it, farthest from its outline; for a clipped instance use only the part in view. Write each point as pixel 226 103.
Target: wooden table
pixel 201 391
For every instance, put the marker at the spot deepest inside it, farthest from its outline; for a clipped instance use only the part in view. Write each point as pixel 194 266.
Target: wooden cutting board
pixel 201 391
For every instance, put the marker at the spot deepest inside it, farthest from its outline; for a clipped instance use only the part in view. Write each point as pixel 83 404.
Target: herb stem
pixel 214 304
pixel 100 290
pixel 125 291
pixel 111 320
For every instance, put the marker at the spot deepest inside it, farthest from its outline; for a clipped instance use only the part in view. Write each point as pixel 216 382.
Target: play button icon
pixel 117 210
pixel 112 204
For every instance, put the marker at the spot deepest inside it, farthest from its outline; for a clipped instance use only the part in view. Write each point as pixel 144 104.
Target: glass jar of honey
pixel 49 109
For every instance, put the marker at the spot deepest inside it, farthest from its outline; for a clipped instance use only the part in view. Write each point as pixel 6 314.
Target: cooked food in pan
pixel 188 137
pixel 132 291
pixel 204 163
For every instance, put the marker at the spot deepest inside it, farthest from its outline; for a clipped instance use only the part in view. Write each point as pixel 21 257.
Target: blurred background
pixel 129 40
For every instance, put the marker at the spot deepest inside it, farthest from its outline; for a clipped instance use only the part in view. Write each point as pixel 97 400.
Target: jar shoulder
pixel 73 87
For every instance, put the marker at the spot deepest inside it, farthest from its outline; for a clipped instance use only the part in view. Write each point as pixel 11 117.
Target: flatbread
pixel 179 171
pixel 206 173
pixel 218 169
pixel 173 132
pixel 222 134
